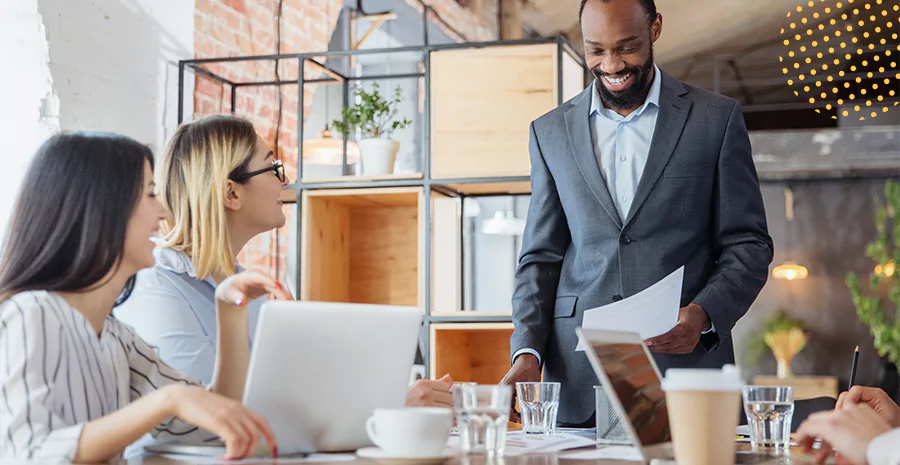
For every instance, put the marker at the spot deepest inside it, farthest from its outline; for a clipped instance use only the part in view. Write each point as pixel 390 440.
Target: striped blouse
pixel 56 375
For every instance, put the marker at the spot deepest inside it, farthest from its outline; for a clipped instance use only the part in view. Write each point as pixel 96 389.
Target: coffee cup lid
pixel 703 379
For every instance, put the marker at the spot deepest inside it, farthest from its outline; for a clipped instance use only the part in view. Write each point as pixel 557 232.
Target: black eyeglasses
pixel 277 168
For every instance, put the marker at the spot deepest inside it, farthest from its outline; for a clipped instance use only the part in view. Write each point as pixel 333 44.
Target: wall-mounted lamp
pixel 329 151
pixel 789 270
pixel 887 270
pixel 503 224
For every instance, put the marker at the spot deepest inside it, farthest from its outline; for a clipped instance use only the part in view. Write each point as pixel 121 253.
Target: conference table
pixel 794 457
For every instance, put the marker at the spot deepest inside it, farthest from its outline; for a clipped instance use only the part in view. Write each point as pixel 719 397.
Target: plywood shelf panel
pixel 477 352
pixel 805 387
pixel 350 178
pixel 483 101
pixel 491 188
pixel 363 246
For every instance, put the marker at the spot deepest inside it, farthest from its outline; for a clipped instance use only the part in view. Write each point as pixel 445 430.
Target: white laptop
pixel 318 370
pixel 633 385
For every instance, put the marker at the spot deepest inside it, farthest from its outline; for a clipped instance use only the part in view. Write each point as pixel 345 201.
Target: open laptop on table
pixel 318 370
pixel 633 385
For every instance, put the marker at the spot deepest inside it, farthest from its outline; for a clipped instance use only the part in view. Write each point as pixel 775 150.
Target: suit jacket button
pixel 617 298
pixel 624 240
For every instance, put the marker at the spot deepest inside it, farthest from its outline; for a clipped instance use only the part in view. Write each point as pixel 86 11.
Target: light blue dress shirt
pixel 174 311
pixel 622 143
pixel 621 147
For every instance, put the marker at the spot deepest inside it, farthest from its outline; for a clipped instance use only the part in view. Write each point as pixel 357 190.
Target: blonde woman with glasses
pixel 222 184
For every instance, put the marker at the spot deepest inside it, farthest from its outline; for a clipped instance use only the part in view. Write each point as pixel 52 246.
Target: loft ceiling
pixel 690 27
pixel 734 46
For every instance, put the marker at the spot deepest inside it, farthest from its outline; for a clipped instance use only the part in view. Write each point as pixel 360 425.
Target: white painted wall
pixel 106 65
pixel 30 107
pixel 114 64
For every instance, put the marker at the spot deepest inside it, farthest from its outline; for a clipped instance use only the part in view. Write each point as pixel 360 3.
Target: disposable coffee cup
pixel 703 406
pixel 410 432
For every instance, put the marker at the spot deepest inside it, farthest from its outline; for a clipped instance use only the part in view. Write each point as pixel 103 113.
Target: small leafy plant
pixel 783 335
pixel 884 323
pixel 373 116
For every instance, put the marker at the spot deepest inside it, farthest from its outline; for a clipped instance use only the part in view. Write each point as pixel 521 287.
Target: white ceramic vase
pixel 377 156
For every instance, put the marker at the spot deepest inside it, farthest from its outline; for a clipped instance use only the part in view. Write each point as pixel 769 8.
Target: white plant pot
pixel 377 156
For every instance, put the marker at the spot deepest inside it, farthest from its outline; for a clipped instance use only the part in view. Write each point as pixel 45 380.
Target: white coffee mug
pixel 410 432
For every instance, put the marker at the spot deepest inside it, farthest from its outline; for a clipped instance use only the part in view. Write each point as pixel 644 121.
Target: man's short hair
pixel 649 7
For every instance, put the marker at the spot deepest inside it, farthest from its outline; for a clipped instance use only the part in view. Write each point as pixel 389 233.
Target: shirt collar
pixel 179 262
pixel 652 97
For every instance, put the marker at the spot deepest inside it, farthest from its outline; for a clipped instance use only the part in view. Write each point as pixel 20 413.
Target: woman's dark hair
pixel 68 226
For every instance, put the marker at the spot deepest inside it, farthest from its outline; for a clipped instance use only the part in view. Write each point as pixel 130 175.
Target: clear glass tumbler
pixel 456 385
pixel 538 406
pixel 769 411
pixel 482 412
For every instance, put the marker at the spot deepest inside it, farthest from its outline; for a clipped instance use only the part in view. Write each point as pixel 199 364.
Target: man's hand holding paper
pixel 655 314
pixel 684 337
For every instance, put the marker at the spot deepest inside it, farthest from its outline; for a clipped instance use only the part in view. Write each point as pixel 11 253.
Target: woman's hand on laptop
pixel 247 286
pixel 238 427
pixel 430 393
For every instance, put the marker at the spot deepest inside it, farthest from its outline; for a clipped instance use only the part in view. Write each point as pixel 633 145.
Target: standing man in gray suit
pixel 633 178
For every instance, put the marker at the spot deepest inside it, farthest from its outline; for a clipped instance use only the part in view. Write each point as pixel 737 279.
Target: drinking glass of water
pixel 538 405
pixel 482 412
pixel 456 385
pixel 769 410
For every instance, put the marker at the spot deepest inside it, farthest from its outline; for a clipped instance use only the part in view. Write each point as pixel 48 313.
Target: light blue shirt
pixel 622 143
pixel 621 147
pixel 174 311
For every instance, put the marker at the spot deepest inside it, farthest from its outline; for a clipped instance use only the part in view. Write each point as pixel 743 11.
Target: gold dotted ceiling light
pixel 824 36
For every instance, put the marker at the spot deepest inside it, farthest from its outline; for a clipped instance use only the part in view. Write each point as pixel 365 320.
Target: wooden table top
pixel 795 457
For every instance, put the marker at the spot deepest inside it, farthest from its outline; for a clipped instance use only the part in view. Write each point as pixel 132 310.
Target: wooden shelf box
pixel 805 387
pixel 363 246
pixel 477 352
pixel 367 246
pixel 483 99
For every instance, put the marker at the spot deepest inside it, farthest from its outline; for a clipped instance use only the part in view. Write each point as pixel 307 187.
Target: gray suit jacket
pixel 698 204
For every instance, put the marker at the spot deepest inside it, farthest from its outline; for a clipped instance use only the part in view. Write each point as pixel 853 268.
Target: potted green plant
pixel 784 336
pixel 884 281
pixel 373 118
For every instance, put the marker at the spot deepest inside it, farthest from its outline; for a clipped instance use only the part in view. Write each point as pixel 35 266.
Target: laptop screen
pixel 638 388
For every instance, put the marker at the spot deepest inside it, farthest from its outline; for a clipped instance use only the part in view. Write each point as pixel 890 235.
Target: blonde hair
pixel 196 165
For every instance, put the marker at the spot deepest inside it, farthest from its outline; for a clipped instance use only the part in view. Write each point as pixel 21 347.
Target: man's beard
pixel 632 97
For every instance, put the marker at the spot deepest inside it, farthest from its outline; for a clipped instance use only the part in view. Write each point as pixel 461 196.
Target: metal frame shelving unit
pixel 428 184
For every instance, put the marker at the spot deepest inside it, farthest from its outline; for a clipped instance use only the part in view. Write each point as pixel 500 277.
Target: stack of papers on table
pixel 519 443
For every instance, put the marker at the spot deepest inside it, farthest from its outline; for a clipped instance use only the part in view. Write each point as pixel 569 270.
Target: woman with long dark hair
pixel 75 383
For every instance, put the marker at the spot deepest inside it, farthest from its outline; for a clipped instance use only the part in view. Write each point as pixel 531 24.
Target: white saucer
pixel 379 455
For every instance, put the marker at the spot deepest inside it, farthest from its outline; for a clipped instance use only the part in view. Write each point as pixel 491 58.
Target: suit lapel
pixel 579 130
pixel 673 113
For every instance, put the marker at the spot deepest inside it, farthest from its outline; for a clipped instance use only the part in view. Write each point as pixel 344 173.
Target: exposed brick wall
pixel 248 27
pixel 477 20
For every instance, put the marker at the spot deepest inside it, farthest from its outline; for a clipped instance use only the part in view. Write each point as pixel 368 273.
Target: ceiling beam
pixel 511 19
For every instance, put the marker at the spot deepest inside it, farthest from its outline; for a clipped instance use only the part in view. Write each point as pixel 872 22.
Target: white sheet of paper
pixel 607 453
pixel 519 443
pixel 650 313
pixel 313 458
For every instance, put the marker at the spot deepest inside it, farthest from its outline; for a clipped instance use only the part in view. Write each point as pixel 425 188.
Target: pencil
pixel 853 368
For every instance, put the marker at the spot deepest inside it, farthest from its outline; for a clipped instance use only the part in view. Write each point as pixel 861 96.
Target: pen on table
pixel 853 368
